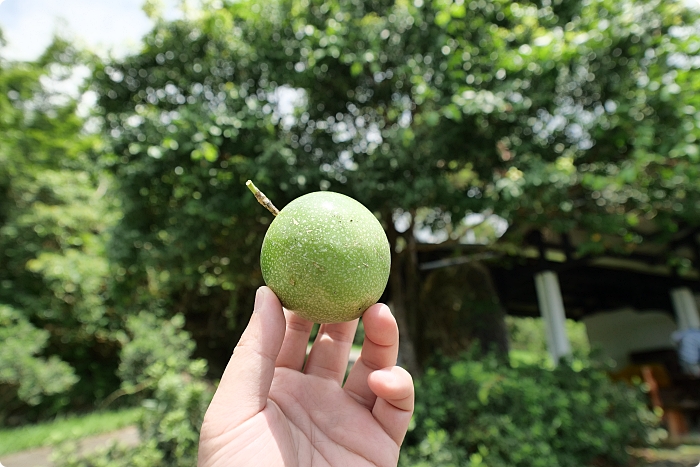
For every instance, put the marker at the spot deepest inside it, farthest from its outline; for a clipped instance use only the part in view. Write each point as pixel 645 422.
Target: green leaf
pixel 356 69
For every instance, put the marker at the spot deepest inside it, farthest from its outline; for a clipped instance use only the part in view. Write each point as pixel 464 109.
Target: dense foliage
pixel 528 335
pixel 129 244
pixel 475 411
pixel 58 331
pixel 25 375
pixel 564 115
pixel 157 368
pixel 470 412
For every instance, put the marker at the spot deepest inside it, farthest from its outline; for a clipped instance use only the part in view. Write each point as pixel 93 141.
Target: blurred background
pixel 535 166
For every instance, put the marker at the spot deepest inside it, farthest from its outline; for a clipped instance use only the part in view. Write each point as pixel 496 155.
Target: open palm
pixel 271 409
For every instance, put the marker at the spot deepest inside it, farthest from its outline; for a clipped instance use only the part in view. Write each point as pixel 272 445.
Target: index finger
pixel 245 384
pixel 296 340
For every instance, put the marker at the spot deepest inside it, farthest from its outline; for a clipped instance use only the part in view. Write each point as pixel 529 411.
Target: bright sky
pixel 101 25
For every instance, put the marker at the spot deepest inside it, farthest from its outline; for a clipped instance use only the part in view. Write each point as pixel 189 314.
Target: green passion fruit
pixel 326 257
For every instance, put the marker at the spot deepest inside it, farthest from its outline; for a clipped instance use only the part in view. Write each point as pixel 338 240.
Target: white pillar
pixel 552 309
pixel 686 308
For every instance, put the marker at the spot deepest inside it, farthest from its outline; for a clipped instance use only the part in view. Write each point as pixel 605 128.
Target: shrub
pixel 476 411
pixel 27 377
pixel 156 346
pixel 157 366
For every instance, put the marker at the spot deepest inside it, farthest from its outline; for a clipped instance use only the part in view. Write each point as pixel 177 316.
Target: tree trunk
pixel 401 303
pixel 444 311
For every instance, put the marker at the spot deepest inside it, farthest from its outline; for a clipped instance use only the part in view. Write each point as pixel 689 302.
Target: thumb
pixel 247 378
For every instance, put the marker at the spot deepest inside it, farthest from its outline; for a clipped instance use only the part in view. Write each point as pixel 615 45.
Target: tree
pixel 186 128
pixel 57 329
pixel 548 114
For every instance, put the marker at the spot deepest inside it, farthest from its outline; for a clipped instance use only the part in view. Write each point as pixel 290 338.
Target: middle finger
pixel 329 354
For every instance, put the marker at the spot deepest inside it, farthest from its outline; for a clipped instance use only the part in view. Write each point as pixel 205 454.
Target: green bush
pixel 169 428
pixel 155 347
pixel 476 411
pixel 27 377
pixel 528 334
pixel 156 367
pixel 57 322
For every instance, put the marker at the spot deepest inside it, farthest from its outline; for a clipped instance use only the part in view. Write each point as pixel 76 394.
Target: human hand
pixel 272 410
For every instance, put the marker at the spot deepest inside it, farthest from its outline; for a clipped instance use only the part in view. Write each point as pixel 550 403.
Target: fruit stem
pixel 262 199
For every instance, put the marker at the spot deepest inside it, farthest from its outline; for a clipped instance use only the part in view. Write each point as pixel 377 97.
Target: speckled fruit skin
pixel 326 257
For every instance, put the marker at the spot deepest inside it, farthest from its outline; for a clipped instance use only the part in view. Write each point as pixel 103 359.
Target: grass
pixel 64 429
pixel 677 456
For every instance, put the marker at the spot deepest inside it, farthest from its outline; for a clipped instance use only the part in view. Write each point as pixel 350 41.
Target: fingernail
pixel 259 299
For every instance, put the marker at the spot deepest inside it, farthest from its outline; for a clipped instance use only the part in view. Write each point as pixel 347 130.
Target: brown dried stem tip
pixel 262 199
